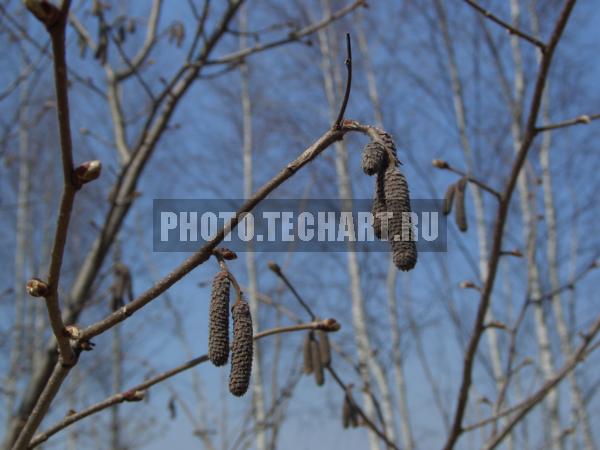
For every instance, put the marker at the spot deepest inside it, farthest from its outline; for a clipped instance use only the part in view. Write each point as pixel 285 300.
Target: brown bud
pixel 439 164
pixel 37 288
pixel 448 199
pixel 218 335
pixel 241 350
pixel 324 347
pixel 274 267
pixel 400 232
pixel 307 353
pixel 467 285
pixel 374 158
pixel 73 332
pixel 227 254
pixel 317 364
pixel 329 325
pixel 460 212
pixel 134 396
pixel 584 119
pixel 87 171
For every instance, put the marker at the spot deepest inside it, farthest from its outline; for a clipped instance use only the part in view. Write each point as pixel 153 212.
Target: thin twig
pixel 544 389
pixel 291 37
pixel 584 119
pixel 348 62
pixel 539 395
pixel 362 414
pixel 132 394
pixel 470 178
pixel 276 269
pixel 506 25
pixel 41 407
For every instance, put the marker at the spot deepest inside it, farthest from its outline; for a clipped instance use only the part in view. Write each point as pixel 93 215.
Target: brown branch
pixel 41 407
pixel 362 414
pixel 503 209
pixel 204 253
pixel 276 269
pixel 539 395
pixel 583 352
pixel 506 25
pixel 338 122
pixel 584 119
pixel 135 393
pixel 440 164
pixel 291 37
pixel 55 22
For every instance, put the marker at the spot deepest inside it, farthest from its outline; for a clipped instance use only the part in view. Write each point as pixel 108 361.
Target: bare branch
pixel 584 119
pixel 136 393
pixel 444 165
pixel 539 395
pixel 530 133
pixel 204 253
pixel 506 25
pixel 340 117
pixel 149 42
pixel 291 37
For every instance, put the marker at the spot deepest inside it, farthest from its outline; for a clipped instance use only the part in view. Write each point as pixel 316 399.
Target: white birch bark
pixel 397 357
pixel 530 237
pixel 258 396
pixel 24 185
pixel 359 319
pixel 478 202
pixel 579 409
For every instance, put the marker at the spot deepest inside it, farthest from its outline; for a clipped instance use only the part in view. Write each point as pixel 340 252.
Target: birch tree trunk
pixel 397 357
pixel 478 202
pixel 530 237
pixel 331 77
pixel 17 352
pixel 247 143
pixel 579 408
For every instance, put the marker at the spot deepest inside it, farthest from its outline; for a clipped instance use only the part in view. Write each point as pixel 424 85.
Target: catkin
pixel 388 143
pixel 398 202
pixel 317 364
pixel 378 204
pixel 449 199
pixel 374 158
pixel 241 349
pixel 218 336
pixel 324 347
pixel 346 412
pixel 308 361
pixel 460 212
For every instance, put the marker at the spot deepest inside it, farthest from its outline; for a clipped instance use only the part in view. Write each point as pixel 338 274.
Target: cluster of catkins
pixel 350 415
pixel 392 196
pixel 218 337
pixel 317 355
pixel 457 191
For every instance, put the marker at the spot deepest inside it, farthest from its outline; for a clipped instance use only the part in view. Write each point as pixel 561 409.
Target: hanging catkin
pixel 378 204
pixel 400 231
pixel 317 364
pixel 448 199
pixel 324 347
pixel 241 349
pixel 346 412
pixel 218 336
pixel 460 212
pixel 308 361
pixel 374 158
